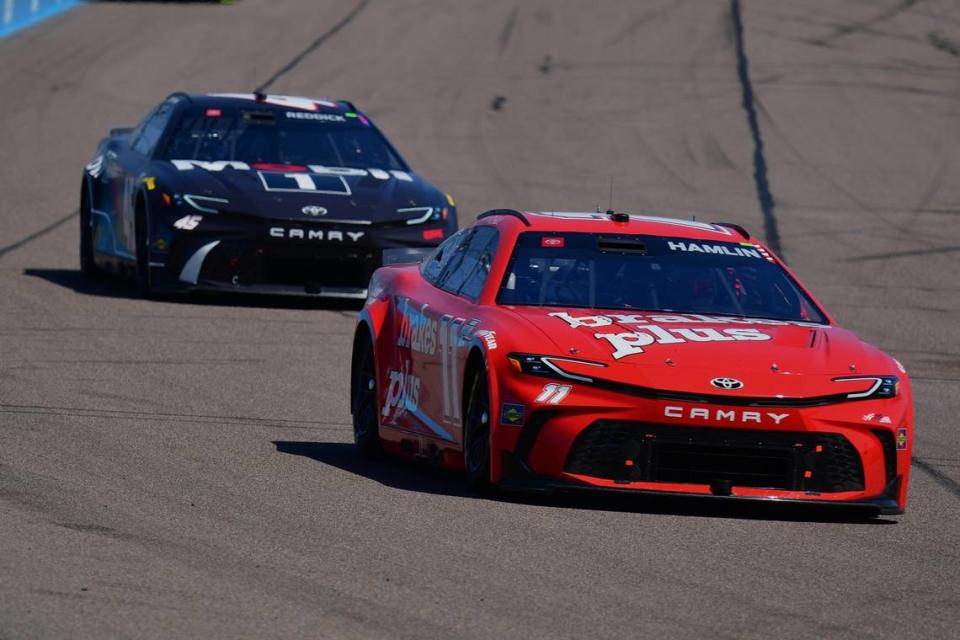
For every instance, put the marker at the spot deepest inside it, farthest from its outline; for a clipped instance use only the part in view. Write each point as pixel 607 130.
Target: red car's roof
pixel 572 221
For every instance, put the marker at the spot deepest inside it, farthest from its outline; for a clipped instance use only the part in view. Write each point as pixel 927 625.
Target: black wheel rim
pixel 366 385
pixel 477 446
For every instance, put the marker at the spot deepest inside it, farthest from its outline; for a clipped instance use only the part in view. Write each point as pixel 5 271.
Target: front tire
pixel 142 275
pixel 476 432
pixel 366 426
pixel 88 266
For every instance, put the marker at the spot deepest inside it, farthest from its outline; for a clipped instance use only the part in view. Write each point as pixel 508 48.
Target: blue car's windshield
pixel 271 136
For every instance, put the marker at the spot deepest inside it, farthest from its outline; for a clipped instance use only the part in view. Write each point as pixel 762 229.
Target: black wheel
pixel 144 287
pixel 87 265
pixel 366 426
pixel 476 432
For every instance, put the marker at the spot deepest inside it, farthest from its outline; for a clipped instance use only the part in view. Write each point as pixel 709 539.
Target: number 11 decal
pixel 449 342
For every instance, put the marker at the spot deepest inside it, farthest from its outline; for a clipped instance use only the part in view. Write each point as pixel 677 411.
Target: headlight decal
pixel 882 387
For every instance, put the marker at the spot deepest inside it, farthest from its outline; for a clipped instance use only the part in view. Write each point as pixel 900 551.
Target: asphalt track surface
pixel 182 468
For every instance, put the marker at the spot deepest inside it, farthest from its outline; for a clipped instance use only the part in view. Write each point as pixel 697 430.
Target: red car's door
pixel 436 320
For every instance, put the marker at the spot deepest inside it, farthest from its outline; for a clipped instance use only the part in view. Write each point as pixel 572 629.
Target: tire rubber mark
pixel 764 196
pixel 326 35
pixel 33 236
pixel 942 479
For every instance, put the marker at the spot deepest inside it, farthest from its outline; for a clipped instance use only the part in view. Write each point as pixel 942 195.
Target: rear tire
pixel 144 286
pixel 366 425
pixel 476 432
pixel 88 265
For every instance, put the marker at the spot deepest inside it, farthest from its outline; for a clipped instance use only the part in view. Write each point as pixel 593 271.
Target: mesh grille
pixel 796 461
pixel 889 444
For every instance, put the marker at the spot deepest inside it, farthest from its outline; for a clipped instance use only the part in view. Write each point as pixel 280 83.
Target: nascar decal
pixel 901 439
pixel 632 342
pixel 95 167
pixel 403 392
pixel 418 331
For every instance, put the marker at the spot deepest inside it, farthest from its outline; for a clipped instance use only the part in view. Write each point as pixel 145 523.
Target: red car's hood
pixel 684 352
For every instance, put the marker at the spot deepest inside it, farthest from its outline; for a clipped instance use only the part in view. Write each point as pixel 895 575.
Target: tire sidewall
pixel 142 239
pixel 478 476
pixel 365 437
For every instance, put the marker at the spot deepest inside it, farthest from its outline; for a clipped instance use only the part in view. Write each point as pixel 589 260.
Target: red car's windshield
pixel 652 273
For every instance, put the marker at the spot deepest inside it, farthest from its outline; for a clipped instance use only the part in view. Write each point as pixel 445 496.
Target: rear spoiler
pixel 406 255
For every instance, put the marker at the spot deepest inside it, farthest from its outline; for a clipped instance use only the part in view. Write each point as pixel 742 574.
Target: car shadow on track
pixel 424 478
pixel 108 286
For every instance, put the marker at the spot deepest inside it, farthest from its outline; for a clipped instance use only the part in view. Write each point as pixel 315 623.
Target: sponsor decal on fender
pixel 901 438
pixel 489 337
pixel 403 392
pixel 511 414
pixel 418 331
pixel 724 415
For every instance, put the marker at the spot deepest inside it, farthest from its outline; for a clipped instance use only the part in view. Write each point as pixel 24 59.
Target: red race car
pixel 550 351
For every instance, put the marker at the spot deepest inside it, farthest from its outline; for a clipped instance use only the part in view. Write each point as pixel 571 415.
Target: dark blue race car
pixel 253 192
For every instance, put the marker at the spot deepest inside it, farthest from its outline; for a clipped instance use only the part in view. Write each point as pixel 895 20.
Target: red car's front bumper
pixel 839 454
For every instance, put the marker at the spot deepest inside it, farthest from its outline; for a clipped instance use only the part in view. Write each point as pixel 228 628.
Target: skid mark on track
pixel 903 254
pixel 846 29
pixel 157 416
pixel 764 195
pixel 940 477
pixel 944 44
pixel 313 46
pixel 53 226
pixel 506 33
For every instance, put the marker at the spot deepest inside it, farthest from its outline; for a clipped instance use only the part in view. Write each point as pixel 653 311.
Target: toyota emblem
pixel 313 210
pixel 727 383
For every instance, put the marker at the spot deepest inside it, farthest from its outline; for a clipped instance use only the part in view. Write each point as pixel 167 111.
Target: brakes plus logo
pixel 403 392
pixel 418 331
pixel 629 343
